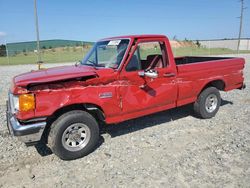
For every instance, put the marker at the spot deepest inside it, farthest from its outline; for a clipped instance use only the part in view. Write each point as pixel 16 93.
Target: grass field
pixel 58 55
pixel 74 54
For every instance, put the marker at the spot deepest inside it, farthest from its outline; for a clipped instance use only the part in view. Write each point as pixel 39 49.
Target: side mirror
pixel 151 73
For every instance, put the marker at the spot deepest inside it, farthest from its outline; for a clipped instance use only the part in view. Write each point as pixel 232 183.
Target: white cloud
pixel 2 34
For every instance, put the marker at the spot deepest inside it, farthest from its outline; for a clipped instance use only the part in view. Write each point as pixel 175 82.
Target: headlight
pixel 26 102
pixel 15 102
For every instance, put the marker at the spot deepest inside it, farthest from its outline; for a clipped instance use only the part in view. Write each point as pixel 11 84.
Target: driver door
pixel 142 94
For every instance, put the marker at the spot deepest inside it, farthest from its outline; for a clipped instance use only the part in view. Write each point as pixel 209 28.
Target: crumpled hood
pixel 53 74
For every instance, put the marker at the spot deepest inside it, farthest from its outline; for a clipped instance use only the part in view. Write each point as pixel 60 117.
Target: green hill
pixel 15 48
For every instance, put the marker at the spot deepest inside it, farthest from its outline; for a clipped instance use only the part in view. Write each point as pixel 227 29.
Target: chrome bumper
pixel 27 133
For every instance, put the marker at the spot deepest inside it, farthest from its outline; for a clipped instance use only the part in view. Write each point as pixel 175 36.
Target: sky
pixel 90 20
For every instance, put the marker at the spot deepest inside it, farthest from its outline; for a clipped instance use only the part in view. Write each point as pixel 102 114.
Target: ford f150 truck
pixel 121 78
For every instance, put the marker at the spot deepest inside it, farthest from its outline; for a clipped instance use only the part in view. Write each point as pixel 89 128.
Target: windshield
pixel 106 53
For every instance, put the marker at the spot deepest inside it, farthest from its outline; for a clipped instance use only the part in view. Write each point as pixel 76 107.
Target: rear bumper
pixel 27 133
pixel 243 86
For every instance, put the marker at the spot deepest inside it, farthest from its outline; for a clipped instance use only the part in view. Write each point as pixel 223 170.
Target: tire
pixel 208 103
pixel 73 135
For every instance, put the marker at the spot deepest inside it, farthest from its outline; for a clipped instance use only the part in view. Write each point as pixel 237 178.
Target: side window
pixel 134 63
pixel 149 49
pixel 148 55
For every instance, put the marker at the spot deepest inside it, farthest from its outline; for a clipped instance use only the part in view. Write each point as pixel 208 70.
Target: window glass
pixel 149 48
pixel 148 55
pixel 134 63
pixel 106 53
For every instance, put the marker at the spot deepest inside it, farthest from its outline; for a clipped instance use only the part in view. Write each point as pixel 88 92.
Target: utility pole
pixel 241 20
pixel 37 36
pixel 7 52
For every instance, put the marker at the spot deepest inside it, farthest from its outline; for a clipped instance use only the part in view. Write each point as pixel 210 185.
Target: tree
pixel 198 44
pixel 24 52
pixel 3 50
pixel 44 47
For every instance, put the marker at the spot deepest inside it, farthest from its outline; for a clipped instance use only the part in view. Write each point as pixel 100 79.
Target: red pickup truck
pixel 121 78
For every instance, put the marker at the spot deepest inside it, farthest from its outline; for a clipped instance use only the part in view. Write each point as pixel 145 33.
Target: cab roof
pixel 135 36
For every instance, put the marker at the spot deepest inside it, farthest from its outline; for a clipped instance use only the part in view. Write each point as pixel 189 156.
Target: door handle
pixel 169 74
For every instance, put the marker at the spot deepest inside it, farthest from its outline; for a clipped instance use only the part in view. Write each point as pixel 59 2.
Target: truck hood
pixel 53 74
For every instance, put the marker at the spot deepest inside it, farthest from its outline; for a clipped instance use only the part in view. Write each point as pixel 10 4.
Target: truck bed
pixel 196 59
pixel 195 72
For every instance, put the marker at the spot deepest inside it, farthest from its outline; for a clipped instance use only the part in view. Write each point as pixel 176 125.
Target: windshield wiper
pixel 92 64
pixel 78 63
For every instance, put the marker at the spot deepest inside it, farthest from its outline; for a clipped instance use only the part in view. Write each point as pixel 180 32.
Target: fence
pixel 230 44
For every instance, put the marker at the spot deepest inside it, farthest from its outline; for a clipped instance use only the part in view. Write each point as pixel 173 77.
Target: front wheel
pixel 73 135
pixel 208 103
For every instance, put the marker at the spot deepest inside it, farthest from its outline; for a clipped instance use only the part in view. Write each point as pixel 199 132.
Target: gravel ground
pixel 167 149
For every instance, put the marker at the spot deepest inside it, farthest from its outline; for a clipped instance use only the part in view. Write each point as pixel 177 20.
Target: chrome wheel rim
pixel 211 103
pixel 76 137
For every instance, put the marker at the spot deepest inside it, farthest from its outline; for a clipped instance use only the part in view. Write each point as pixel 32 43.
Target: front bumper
pixel 27 133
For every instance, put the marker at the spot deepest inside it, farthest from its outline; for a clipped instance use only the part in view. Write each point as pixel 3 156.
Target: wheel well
pixel 94 110
pixel 219 84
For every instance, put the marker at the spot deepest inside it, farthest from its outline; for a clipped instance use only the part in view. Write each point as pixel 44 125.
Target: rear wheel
pixel 73 135
pixel 208 103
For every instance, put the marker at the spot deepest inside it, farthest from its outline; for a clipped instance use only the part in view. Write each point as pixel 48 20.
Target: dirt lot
pixel 167 149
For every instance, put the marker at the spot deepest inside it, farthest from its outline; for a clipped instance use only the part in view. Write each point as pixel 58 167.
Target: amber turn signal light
pixel 26 102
